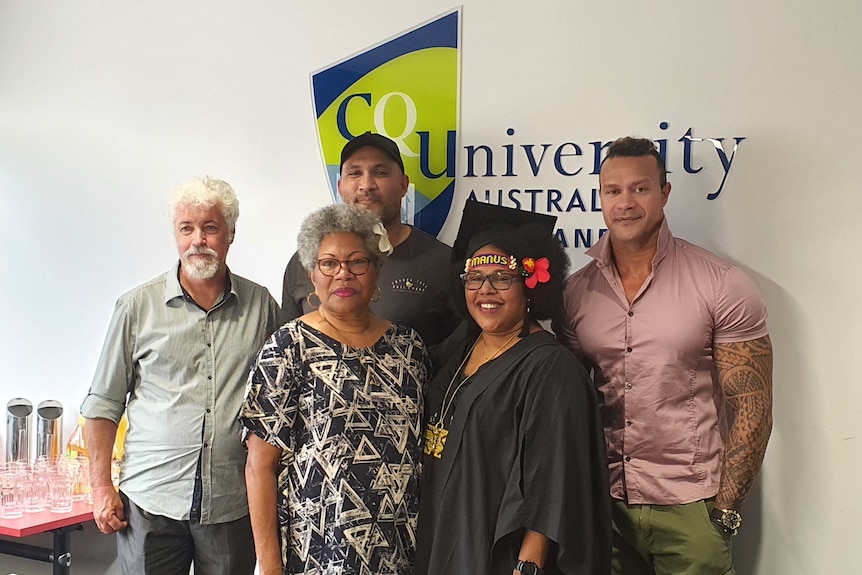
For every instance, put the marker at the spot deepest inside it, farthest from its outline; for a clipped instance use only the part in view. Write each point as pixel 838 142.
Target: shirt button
pixel 628 458
pixel 208 410
pixel 206 444
pixel 209 345
pixel 628 423
pixel 209 377
pixel 631 313
pixel 628 350
pixel 628 386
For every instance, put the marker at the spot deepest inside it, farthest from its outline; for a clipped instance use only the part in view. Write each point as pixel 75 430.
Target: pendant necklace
pixel 435 433
pixel 343 333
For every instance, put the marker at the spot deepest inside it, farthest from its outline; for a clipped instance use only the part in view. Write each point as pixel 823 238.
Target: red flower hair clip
pixel 535 271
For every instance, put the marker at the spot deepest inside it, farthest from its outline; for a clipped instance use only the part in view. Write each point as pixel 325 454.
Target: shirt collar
pixel 173 289
pixel 665 241
pixel 601 252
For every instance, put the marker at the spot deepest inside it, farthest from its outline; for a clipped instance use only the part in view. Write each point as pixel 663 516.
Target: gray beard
pixel 200 270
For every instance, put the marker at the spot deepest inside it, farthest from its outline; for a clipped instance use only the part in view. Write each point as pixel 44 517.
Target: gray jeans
pixel 157 545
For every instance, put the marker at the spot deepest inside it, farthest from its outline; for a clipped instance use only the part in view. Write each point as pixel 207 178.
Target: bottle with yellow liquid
pixel 119 450
pixel 76 446
pixel 77 462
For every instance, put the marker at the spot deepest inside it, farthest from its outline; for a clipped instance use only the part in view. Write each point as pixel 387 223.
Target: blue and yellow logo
pixel 406 89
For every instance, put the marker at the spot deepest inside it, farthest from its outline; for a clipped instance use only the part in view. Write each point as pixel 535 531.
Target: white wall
pixel 105 105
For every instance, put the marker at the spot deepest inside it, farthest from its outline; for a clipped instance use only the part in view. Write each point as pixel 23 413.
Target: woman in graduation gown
pixel 514 473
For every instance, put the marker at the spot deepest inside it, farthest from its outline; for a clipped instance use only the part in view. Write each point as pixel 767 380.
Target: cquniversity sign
pixel 406 89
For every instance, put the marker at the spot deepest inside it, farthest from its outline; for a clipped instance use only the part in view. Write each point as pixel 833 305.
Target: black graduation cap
pixel 479 216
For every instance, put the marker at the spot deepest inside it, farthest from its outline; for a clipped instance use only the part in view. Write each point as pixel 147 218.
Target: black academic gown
pixel 525 450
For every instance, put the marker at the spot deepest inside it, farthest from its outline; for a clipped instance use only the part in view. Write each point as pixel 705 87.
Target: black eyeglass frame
pixel 500 281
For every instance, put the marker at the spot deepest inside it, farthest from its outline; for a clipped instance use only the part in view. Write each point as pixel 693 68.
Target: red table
pixel 61 524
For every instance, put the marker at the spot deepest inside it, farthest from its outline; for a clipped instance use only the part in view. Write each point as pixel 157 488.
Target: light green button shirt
pixel 179 373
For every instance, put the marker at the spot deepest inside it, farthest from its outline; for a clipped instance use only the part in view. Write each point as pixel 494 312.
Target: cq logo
pixel 409 128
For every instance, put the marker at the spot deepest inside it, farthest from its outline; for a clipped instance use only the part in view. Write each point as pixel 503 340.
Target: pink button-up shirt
pixel 662 406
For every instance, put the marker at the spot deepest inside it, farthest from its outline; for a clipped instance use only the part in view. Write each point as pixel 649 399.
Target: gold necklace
pixel 435 433
pixel 343 332
pixel 499 349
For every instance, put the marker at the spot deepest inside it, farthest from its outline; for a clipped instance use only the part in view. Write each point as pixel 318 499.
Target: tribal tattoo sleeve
pixel 745 375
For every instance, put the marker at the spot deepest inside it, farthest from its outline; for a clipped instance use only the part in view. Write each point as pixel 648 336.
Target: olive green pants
pixel 668 540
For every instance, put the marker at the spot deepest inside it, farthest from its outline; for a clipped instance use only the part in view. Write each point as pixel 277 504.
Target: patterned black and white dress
pixel 348 422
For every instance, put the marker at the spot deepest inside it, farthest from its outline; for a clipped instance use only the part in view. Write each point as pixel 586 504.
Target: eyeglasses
pixel 331 266
pixel 498 280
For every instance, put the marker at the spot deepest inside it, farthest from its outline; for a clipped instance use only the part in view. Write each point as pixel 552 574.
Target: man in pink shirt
pixel 674 336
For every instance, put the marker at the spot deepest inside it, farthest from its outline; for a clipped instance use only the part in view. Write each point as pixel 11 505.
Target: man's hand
pixel 100 435
pixel 108 509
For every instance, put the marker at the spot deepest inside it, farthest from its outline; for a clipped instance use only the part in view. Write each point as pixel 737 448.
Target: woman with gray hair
pixel 333 416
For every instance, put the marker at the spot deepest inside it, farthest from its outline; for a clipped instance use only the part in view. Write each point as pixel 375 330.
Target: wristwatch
pixel 528 568
pixel 728 520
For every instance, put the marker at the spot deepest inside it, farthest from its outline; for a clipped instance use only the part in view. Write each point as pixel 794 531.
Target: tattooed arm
pixel 745 375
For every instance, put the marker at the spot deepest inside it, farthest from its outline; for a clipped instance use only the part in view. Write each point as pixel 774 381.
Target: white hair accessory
pixel 384 245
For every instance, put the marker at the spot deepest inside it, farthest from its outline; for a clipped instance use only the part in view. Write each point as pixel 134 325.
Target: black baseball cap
pixel 482 222
pixel 382 143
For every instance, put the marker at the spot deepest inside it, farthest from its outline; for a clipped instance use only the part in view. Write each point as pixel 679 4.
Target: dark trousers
pixel 156 545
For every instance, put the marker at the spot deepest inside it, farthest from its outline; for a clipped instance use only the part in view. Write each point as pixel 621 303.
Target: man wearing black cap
pixel 412 281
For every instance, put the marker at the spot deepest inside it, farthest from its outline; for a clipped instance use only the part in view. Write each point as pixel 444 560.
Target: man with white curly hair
pixel 175 362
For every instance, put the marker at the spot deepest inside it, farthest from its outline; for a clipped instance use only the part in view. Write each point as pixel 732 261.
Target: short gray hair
pixel 334 219
pixel 206 192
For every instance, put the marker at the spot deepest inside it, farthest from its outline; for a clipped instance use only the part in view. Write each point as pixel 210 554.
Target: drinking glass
pixel 61 482
pixel 81 490
pixel 35 485
pixel 11 492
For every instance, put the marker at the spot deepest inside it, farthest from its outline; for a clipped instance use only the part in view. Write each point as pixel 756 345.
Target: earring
pixel 528 322
pixel 308 300
pixel 378 293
